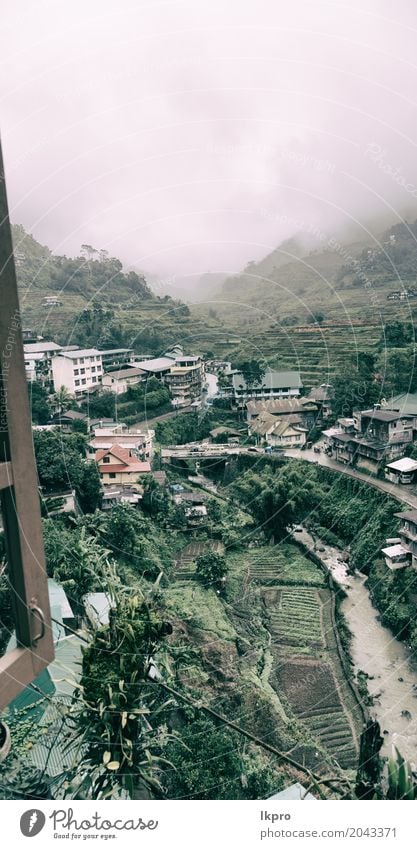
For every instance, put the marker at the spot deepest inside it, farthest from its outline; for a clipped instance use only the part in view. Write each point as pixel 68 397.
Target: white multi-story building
pixel 78 370
pixel 38 360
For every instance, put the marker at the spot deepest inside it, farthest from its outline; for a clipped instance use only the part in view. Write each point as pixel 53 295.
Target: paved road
pixel 405 494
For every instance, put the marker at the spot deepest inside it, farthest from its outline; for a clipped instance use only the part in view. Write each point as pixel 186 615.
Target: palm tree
pixel 62 399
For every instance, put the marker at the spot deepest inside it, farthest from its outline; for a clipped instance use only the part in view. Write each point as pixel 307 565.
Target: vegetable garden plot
pixel 311 690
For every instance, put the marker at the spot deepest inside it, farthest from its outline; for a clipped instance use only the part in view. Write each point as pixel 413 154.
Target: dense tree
pixel 211 568
pixel 183 428
pixel 252 372
pixel 398 370
pixel 397 334
pixel 100 405
pixel 59 459
pixel 276 499
pixel 155 500
pixel 355 386
pixel 39 403
pixel 209 763
pixel 89 489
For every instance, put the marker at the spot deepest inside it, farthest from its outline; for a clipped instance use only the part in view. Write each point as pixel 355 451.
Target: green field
pixel 283 564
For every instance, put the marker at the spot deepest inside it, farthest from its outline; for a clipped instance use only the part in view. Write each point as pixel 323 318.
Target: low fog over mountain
pixel 192 137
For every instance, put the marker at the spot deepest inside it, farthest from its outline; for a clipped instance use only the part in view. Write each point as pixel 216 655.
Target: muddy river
pixel 392 673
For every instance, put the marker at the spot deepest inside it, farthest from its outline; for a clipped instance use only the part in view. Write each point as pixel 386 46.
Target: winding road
pixel 404 494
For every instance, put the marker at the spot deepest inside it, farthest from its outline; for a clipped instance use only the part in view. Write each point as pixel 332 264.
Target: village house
pixel 322 396
pixel 216 366
pixel 287 433
pixel 386 426
pixel 120 495
pixel 105 424
pixel 67 419
pixel 139 443
pixel 185 380
pixel 401 551
pixel 305 409
pixel 158 367
pixel 405 403
pixel 193 501
pixel 119 465
pixel 403 471
pixel 275 384
pixel 120 381
pixel 376 436
pixel 280 431
pixel 228 434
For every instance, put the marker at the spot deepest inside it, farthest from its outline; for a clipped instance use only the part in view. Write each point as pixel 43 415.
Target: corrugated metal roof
pixel 40 347
pixel 58 599
pixel 295 791
pixel 271 380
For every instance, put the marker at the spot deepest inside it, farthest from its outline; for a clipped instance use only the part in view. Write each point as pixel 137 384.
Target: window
pixel 94 379
pixel 19 492
pixel 77 382
pixel 82 370
pixel 112 475
pixel 76 371
pixel 106 459
pixel 81 360
pixel 83 381
pixel 75 362
pixel 93 368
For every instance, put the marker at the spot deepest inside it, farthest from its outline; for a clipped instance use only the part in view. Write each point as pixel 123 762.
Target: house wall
pixel 367 463
pixel 259 394
pixel 289 438
pixel 125 477
pixel 63 374
pixel 113 384
pixel 78 374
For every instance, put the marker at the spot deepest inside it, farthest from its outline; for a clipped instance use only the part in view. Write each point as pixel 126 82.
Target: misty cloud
pixel 187 136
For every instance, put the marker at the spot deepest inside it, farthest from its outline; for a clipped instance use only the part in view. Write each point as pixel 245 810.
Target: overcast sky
pixel 187 136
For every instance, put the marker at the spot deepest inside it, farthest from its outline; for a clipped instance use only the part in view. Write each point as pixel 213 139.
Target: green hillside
pixel 99 303
pixel 339 281
pixel 310 313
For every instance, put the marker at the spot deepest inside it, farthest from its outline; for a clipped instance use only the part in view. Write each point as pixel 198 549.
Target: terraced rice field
pixel 306 667
pixel 311 689
pixel 184 563
pixel 283 564
pixel 297 618
pixel 317 352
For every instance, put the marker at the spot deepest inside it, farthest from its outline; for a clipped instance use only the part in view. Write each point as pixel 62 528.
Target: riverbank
pixel 391 672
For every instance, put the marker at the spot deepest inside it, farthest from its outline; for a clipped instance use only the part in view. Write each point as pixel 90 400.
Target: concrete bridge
pixel 206 450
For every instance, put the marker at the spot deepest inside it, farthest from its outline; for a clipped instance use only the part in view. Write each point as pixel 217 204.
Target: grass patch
pixel 201 609
pixel 284 564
